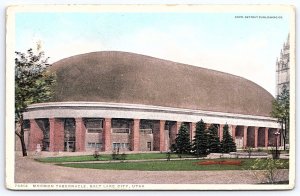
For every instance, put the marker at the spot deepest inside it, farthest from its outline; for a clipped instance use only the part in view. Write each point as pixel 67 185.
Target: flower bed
pixel 223 162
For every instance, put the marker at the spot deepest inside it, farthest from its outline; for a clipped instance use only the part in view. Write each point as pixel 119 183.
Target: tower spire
pixel 282 65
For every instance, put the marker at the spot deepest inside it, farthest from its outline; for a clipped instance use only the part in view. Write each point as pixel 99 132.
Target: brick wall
pixel 35 136
pixel 135 135
pixel 93 138
pixel 120 138
pixel 56 135
pixel 144 139
pixel 80 135
pixel 156 136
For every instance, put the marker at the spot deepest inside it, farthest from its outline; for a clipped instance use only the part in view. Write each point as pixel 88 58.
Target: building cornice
pixel 124 110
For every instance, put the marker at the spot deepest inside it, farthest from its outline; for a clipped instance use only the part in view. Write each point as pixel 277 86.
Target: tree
pixel 281 111
pixel 182 141
pixel 33 84
pixel 214 145
pixel 200 144
pixel 227 144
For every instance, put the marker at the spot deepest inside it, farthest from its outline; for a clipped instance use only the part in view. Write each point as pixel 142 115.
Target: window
pixel 69 130
pixel 94 130
pixel 26 124
pixel 91 145
pixel 127 145
pixel 94 125
pixel 120 145
pixel 120 123
pixel 121 130
pixel 94 145
pixel 116 145
pixel 98 145
pixel 146 131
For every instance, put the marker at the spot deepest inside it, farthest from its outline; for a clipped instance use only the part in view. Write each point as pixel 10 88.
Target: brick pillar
pixel 52 135
pixel 178 125
pixel 135 135
pixel 233 131
pixel 221 131
pixel 106 135
pixel 57 135
pixel 245 136
pixel 266 137
pixel 256 137
pixel 162 135
pixel 80 135
pixel 174 131
pixel 36 135
pixel 192 130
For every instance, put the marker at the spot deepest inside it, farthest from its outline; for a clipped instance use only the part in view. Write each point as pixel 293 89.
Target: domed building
pixel 118 100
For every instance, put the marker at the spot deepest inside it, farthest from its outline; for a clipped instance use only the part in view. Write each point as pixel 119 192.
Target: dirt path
pixel 30 171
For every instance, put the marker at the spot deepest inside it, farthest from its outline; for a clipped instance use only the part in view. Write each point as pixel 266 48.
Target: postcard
pixel 150 97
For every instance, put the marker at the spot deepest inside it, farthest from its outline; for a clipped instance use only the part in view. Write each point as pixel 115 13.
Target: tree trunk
pixel 287 129
pixel 24 151
pixel 21 136
pixel 283 133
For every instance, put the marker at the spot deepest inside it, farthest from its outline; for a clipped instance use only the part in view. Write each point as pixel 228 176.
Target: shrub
pixel 260 150
pixel 116 156
pixel 96 155
pixel 168 156
pixel 249 150
pixel 268 167
pixel 123 156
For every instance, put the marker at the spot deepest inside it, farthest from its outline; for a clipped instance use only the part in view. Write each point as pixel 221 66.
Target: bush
pixel 123 156
pixel 249 150
pixel 268 167
pixel 116 156
pixel 260 150
pixel 168 156
pixel 96 155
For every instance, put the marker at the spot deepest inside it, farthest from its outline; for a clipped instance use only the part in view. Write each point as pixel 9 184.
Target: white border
pixel 10 96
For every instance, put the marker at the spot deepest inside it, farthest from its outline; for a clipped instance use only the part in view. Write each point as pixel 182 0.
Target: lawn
pixel 107 157
pixel 175 165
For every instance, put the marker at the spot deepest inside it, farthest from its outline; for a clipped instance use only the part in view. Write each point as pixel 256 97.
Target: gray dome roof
pixel 122 77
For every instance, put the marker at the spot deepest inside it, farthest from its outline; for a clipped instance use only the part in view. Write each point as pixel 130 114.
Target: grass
pixel 70 159
pixel 175 165
pixel 107 157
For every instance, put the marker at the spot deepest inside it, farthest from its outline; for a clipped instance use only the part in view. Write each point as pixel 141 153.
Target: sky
pixel 247 47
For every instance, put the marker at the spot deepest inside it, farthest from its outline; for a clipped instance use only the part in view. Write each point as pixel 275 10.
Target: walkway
pixel 30 171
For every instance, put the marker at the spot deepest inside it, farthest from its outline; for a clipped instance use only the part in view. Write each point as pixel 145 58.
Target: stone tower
pixel 283 68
